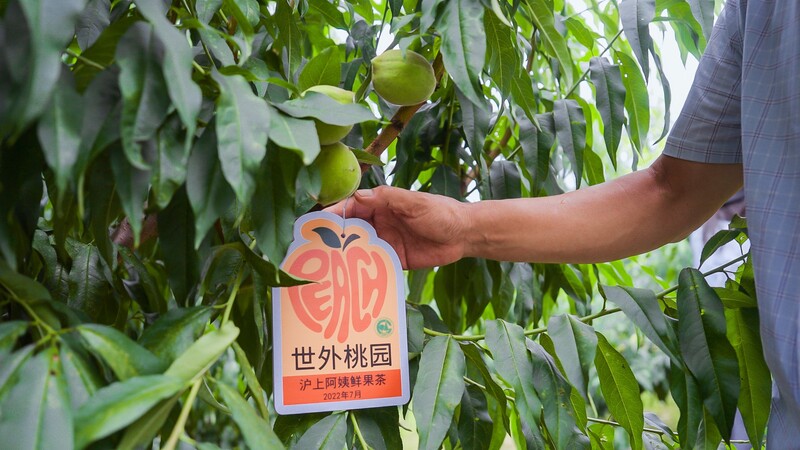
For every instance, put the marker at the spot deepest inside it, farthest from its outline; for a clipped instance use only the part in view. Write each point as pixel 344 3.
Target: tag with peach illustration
pixel 340 341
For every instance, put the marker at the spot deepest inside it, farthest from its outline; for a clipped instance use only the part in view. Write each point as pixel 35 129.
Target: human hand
pixel 424 229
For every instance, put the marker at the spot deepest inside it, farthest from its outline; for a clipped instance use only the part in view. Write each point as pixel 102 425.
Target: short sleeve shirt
pixel 744 107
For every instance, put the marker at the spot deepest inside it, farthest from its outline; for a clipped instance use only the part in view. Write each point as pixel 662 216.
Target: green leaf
pixel 145 100
pixel 81 378
pixel 256 431
pixel 718 240
pixel 271 274
pixel 708 436
pixel 22 188
pixel 705 348
pixel 641 307
pixel 571 133
pixel 636 16
pixel 575 344
pixel 9 333
pixel 379 427
pixel 474 424
pixel 59 130
pixel 206 9
pixel 9 368
pixel 416 332
pixel 246 14
pixel 554 43
pixel 209 194
pixel 221 267
pixel 527 298
pixel 449 289
pixel 198 358
pixel 513 363
pixel 555 391
pixel 36 411
pixel 273 210
pixel 172 156
pixel 174 332
pixel 251 379
pixel 685 392
pixel 89 291
pixel 145 428
pixel 620 390
pixel 593 166
pixel 295 134
pixel 50 24
pixel 152 291
pixel 328 434
pixel 536 154
pixel 502 58
pixel 132 189
pixel 216 43
pixel 475 360
pixel 464 45
pixel 117 405
pixel 581 32
pixel 505 180
pixel 290 38
pixel 755 393
pixel 475 123
pixel 602 436
pixel 652 420
pixel 637 102
pixel 326 109
pixel 101 52
pixel 610 99
pixel 445 181
pixel 429 13
pixel 22 288
pixel 735 299
pixel 367 158
pixel 322 69
pixel 242 130
pixel 438 393
pixel 331 15
pixel 104 206
pixel 290 428
pixel 487 285
pixel 125 357
pixel 176 239
pixel 177 63
pixel 523 95
pixel 667 94
pixel 703 12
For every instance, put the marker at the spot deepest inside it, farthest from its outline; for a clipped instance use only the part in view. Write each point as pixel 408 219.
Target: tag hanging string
pixel 344 214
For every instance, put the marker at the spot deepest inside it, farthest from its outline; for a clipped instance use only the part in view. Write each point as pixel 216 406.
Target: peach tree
pixel 154 155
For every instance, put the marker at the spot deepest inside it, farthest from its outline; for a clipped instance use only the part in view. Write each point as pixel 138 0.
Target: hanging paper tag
pixel 340 342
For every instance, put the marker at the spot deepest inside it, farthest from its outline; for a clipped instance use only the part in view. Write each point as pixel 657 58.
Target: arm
pixel 630 215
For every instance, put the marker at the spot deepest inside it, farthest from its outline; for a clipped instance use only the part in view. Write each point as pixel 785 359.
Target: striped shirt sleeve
pixel 709 126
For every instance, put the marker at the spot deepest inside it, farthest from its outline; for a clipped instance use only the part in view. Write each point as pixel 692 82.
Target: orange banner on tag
pixel 340 341
pixel 301 389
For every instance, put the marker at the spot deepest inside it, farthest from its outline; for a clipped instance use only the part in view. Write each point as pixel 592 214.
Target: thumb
pixel 360 205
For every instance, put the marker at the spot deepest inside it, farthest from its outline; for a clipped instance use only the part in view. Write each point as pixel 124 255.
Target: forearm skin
pixel 627 216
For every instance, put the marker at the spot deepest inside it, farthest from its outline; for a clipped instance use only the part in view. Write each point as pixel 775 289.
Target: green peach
pixel 329 134
pixel 339 171
pixel 403 79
